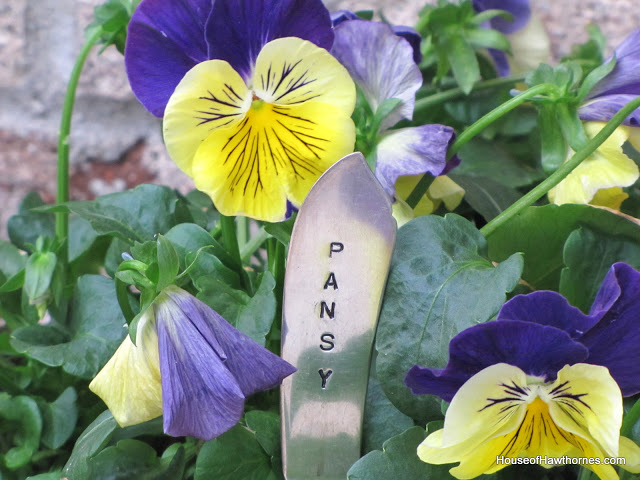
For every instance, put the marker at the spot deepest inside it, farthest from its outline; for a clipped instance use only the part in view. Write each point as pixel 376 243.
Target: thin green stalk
pixel 451 94
pixel 62 219
pixel 421 188
pixel 230 239
pixel 277 267
pixel 249 248
pixel 564 170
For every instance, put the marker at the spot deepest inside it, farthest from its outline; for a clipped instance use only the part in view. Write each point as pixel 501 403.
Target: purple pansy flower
pixel 540 333
pixel 619 87
pixel 189 365
pixel 254 107
pixel 166 39
pixel 382 66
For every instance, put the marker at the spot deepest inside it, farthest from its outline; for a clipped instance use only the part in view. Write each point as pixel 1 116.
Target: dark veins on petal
pixel 287 145
pixel 214 113
pixel 287 82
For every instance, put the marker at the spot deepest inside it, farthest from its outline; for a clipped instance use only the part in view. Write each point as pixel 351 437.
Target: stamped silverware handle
pixel 337 267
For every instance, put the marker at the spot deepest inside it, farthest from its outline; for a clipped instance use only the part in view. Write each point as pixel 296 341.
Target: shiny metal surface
pixel 336 271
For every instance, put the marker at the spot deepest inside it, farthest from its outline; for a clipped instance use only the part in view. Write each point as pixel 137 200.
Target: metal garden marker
pixel 336 271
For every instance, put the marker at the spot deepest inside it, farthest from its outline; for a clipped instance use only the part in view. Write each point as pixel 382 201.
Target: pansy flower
pixel 543 379
pixel 530 44
pixel 255 108
pixel 382 65
pixel 189 365
pixel 599 179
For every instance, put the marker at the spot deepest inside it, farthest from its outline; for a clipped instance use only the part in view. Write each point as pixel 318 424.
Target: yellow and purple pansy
pixel 189 365
pixel 254 107
pixel 599 179
pixel 543 379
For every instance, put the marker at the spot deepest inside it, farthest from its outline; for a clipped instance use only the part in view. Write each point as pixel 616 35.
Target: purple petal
pixel 165 40
pixel 625 76
pixel 254 367
pixel 602 109
pixel 412 151
pixel 200 396
pixel 547 308
pixel 340 16
pixel 614 341
pixel 500 61
pixel 536 349
pixel 381 64
pixel 520 10
pixel 237 31
pixel 412 36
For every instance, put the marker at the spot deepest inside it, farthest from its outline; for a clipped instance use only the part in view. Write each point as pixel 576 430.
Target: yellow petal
pixel 210 96
pixel 130 381
pixel 631 453
pixel 276 153
pixel 609 197
pixel 290 71
pixel 405 185
pixel 586 401
pixel 607 167
pixel 446 190
pixel 530 46
pixel 402 212
pixel 484 407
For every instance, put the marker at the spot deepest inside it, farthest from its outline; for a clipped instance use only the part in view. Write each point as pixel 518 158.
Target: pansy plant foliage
pixel 254 107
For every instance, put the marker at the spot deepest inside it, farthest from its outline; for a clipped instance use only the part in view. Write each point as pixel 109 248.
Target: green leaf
pixel 25 227
pixel 381 419
pixel 486 196
pixel 168 263
pixel 487 38
pixel 398 460
pixel 441 282
pixel 132 215
pixel 38 273
pixel 253 316
pixel 188 237
pixel 541 232
pixel 22 419
pixel 59 419
pixel 46 476
pixel 462 59
pixel 92 440
pixel 126 460
pixel 488 159
pixel 594 77
pixel 281 230
pixel 234 455
pixel 554 148
pixel 96 328
pixel 11 260
pixel 588 256
pixel 571 126
pixel 266 427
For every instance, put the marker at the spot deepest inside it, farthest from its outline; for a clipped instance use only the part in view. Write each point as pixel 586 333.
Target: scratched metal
pixel 336 271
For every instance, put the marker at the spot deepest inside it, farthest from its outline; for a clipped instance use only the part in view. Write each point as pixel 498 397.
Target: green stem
pixel 630 419
pixel 421 188
pixel 249 248
pixel 62 219
pixel 441 97
pixel 277 268
pixel 562 171
pixel 230 239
